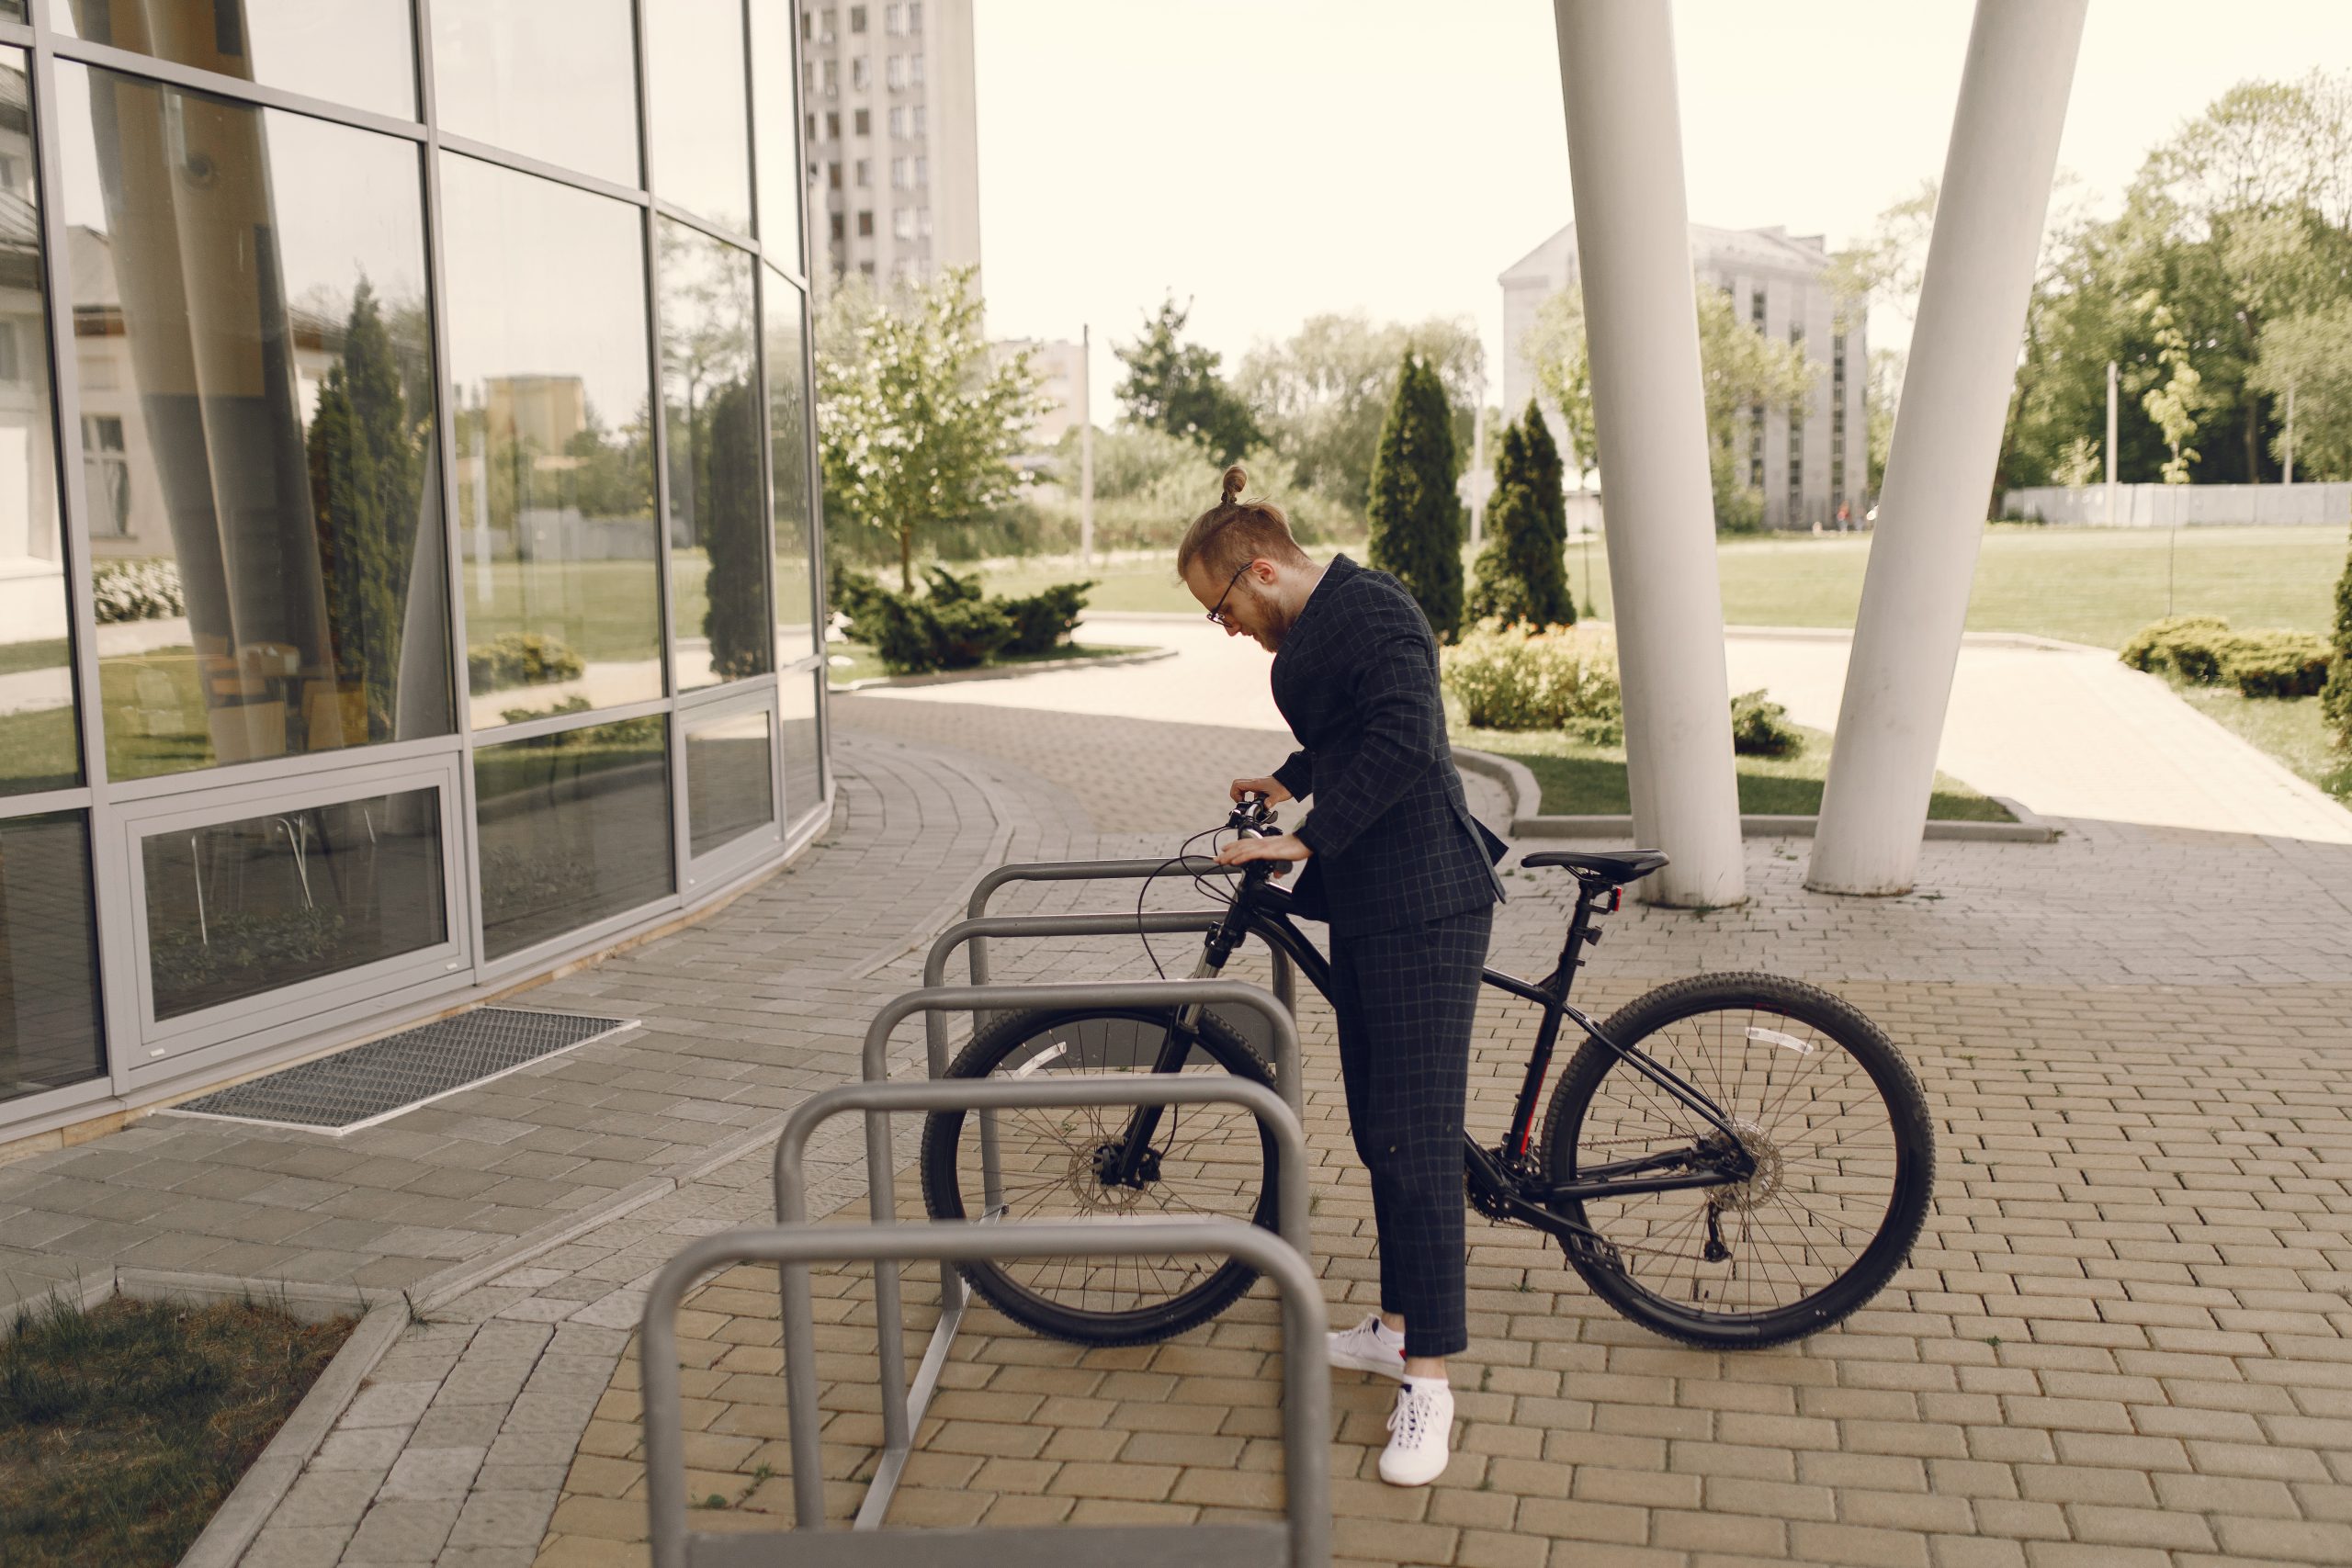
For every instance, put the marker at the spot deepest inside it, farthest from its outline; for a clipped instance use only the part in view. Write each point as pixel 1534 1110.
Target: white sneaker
pixel 1370 1347
pixel 1419 1430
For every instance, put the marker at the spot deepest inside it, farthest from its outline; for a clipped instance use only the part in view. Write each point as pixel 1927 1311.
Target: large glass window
pixel 796 633
pixel 554 80
pixel 348 52
pixel 804 778
pixel 702 138
pixel 238 908
pixel 37 746
pixel 251 333
pixel 574 827
pixel 775 96
pixel 730 780
pixel 48 966
pixel 710 397
pixel 555 456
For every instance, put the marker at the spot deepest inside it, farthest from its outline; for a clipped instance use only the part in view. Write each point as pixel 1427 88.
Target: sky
pixel 1273 159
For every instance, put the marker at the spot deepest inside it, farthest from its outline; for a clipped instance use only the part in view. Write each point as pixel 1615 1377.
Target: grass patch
pixel 865 665
pixel 1583 779
pixel 41 653
pixel 122 1428
pixel 2287 729
pixel 2089 585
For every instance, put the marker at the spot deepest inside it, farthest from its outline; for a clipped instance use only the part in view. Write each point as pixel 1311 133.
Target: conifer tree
pixel 2335 697
pixel 1414 516
pixel 1522 573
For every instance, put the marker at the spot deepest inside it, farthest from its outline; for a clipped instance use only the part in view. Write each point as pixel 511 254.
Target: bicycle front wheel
pixel 1051 1164
pixel 1826 1108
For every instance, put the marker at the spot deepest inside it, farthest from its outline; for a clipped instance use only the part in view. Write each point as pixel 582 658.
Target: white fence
pixel 2168 506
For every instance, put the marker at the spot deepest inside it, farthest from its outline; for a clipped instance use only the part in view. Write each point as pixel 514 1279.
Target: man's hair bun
pixel 1235 481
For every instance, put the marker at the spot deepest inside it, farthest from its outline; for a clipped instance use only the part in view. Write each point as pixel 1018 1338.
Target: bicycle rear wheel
pixel 1204 1159
pixel 1825 1106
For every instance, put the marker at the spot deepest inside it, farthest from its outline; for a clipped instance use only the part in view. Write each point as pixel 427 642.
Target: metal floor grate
pixel 367 1083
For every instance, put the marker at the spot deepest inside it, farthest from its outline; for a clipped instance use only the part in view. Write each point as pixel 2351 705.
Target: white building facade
pixel 1806 462
pixel 891 127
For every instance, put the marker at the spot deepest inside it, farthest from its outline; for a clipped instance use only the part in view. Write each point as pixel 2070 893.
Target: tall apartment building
pixel 892 136
pixel 1807 461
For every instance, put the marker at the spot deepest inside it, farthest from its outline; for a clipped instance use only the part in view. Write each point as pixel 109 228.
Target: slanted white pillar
pixel 1989 216
pixel 1650 431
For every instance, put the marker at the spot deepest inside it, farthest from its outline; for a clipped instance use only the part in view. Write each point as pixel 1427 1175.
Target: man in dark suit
pixel 1405 876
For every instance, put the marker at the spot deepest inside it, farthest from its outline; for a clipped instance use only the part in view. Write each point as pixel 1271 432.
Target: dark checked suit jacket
pixel 1394 842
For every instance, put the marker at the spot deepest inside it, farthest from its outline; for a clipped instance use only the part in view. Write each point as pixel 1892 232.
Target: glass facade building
pixel 408 550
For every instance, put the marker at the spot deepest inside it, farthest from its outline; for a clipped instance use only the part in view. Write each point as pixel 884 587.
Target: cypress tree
pixel 2335 697
pixel 1414 516
pixel 1522 573
pixel 367 476
pixel 735 616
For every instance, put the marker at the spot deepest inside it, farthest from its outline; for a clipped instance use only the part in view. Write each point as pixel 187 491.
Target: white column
pixel 1995 197
pixel 1650 434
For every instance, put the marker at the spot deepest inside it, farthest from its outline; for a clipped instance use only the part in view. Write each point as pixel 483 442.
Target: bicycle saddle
pixel 1611 871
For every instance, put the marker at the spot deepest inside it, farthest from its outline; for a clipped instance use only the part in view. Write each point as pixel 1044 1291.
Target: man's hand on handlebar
pixel 1271 788
pixel 1282 847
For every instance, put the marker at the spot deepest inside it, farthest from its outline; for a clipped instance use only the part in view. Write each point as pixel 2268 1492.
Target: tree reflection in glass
pixel 717 537
pixel 257 420
pixel 545 296
pixel 39 749
pixel 796 634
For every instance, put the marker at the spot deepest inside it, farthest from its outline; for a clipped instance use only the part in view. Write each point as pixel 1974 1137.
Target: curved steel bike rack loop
pixel 897 1400
pixel 1303 1540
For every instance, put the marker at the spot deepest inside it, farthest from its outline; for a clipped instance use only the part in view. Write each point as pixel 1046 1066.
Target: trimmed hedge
pixel 952 626
pixel 1517 678
pixel 1760 727
pixel 2202 650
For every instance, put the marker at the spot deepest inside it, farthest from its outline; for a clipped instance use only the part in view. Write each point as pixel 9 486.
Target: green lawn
pixel 2090 585
pixel 1581 779
pixel 2287 729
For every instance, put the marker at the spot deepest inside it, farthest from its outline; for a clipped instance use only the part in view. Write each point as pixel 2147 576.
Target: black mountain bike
pixel 1732 1160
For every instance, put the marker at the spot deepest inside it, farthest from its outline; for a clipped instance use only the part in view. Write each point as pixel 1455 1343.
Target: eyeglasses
pixel 1216 616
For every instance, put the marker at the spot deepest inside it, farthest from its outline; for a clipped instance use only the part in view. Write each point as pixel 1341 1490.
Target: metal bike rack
pixel 1301 1540
pixel 902 1410
pixel 1103 871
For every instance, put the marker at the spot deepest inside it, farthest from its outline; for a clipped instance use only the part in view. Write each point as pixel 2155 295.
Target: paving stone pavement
pixel 2121 1340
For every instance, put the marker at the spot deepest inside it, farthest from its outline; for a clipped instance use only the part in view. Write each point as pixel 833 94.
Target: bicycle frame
pixel 1261 909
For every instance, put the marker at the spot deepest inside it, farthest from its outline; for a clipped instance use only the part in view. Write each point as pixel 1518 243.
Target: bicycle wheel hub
pixel 1103 1167
pixel 1763 1181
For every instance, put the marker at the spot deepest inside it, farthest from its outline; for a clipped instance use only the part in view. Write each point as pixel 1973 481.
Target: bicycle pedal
pixel 1591 1249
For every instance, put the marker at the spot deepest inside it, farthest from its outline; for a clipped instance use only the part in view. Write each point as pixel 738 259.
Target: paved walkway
pixel 2123 1339
pixel 2071 732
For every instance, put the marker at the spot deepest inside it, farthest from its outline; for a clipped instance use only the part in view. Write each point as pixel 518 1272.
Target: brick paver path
pixel 2120 1341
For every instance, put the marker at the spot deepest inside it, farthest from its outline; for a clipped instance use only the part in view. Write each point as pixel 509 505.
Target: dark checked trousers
pixel 1406 1001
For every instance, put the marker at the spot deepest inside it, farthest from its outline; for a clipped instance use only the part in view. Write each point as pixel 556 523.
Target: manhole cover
pixel 367 1083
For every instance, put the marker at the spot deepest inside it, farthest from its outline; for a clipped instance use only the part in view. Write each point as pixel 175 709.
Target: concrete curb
pixel 249 1505
pixel 1003 671
pixel 1968 640
pixel 1528 820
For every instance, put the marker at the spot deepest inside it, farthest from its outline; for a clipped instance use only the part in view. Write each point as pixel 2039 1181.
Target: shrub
pixel 950 628
pixel 521 659
pixel 2276 664
pixel 1760 727
pixel 1043 619
pixel 1512 677
pixel 2186 646
pixel 2203 651
pixel 137 591
pixel 946 588
pixel 967 632
pixel 2335 698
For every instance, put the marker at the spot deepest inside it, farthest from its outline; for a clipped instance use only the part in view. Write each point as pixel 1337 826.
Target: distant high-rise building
pixel 1807 462
pixel 892 138
pixel 1060 367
